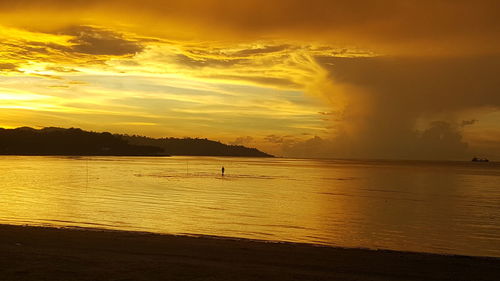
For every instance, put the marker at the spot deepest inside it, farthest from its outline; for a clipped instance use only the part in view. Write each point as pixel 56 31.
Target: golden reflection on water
pixel 417 206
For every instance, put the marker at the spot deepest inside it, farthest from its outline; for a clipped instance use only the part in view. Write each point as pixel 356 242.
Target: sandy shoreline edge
pixel 44 253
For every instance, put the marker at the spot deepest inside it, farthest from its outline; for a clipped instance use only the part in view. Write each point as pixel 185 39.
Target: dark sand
pixel 36 253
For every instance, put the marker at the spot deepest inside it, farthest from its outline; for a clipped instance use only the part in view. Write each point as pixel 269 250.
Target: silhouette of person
pixel 222 170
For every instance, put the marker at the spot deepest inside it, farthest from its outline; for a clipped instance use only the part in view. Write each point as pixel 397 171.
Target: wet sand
pixel 37 253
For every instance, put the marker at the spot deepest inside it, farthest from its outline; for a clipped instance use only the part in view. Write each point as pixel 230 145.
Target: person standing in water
pixel 222 170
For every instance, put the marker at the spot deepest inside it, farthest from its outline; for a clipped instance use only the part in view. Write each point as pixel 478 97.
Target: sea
pixel 435 207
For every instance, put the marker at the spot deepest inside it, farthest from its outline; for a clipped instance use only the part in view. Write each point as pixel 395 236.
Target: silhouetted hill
pixel 74 141
pixel 198 147
pixel 59 141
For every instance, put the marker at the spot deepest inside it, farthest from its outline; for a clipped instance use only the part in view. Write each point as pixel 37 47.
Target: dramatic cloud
pixel 93 41
pixel 8 67
pixel 366 79
pixel 39 53
pixel 389 105
pixel 447 26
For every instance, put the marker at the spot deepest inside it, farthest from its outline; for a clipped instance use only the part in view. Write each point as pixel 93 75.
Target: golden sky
pixel 369 79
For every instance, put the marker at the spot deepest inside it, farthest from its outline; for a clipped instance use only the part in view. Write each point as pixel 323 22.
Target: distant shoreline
pixel 135 155
pixel 88 155
pixel 34 253
pixel 53 141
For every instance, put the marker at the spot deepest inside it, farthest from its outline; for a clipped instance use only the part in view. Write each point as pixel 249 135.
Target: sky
pixel 337 79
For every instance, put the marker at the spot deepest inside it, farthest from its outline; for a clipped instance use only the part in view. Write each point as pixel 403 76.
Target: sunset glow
pixel 292 78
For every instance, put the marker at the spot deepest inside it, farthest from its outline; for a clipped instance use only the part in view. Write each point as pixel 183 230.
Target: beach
pixel 41 253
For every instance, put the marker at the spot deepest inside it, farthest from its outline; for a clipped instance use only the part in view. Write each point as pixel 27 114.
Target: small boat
pixel 476 159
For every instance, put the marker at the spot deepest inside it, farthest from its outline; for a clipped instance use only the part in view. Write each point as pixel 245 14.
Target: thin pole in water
pixel 87 173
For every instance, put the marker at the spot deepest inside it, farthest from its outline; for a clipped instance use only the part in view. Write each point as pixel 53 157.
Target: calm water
pixel 430 207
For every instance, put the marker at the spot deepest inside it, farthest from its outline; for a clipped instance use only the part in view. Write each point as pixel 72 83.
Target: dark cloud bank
pixel 388 98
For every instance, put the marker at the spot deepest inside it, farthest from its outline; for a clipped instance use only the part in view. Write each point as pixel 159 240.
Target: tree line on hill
pixel 75 141
pixel 195 147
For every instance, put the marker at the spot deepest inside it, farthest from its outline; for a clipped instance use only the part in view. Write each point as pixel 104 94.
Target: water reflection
pixel 433 207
